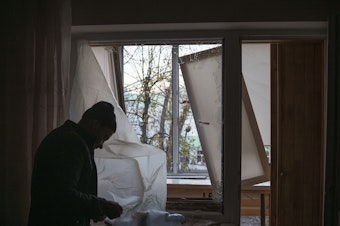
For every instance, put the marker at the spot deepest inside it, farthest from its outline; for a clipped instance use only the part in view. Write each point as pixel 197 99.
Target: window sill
pixel 193 204
pixel 186 190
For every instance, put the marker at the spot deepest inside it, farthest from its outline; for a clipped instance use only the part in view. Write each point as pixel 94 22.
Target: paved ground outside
pixel 250 221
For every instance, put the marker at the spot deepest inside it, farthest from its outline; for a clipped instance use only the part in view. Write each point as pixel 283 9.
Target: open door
pixel 297 81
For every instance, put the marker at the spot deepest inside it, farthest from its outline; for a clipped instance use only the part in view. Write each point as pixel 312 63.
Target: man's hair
pixel 102 112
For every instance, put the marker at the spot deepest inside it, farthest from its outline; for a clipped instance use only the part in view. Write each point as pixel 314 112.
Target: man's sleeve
pixel 72 160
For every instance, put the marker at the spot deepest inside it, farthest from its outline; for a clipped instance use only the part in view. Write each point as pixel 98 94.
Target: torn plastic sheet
pixel 138 183
pixel 129 172
pixel 150 218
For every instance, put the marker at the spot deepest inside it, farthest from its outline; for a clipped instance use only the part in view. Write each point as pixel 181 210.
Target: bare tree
pixel 151 92
pixel 148 99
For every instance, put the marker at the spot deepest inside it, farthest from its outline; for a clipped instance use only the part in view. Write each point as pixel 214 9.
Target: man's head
pixel 100 121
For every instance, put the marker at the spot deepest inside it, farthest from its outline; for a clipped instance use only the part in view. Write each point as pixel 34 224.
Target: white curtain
pixel 129 172
pixel 109 59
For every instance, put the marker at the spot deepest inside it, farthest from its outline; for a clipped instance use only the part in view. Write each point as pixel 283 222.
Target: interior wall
pixel 89 12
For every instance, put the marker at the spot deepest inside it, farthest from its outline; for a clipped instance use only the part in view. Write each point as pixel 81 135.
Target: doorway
pixel 285 83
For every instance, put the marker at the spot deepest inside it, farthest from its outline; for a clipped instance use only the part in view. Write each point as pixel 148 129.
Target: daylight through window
pixel 157 103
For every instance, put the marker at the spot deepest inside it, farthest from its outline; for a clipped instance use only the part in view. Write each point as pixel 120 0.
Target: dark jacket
pixel 64 179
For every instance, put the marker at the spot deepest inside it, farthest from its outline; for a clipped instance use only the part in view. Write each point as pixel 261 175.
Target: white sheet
pixel 132 173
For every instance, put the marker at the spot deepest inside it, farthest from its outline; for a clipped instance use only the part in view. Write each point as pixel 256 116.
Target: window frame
pixel 232 35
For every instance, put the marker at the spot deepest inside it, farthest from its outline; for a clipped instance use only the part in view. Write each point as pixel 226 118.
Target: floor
pixel 250 221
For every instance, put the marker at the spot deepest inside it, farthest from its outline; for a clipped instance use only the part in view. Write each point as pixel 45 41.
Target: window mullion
pixel 175 109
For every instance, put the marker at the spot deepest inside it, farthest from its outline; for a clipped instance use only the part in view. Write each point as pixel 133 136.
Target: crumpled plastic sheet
pixel 137 183
pixel 129 172
pixel 149 218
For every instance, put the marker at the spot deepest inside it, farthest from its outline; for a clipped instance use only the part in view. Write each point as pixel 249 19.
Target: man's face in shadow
pixel 101 133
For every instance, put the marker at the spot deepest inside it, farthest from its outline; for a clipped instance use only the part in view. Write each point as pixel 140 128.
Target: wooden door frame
pixel 275 115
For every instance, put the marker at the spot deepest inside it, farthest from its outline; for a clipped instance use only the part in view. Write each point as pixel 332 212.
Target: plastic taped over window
pixel 129 172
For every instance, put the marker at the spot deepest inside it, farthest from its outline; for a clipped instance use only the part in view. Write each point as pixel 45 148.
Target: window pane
pixel 256 130
pixel 256 111
pixel 147 91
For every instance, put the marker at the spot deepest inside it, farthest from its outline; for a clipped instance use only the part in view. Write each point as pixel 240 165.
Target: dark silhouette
pixel 64 178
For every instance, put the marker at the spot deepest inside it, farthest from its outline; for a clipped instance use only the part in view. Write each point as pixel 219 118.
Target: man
pixel 64 178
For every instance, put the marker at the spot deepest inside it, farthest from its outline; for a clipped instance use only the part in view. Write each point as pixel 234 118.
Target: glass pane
pixel 148 99
pixel 255 113
pixel 147 92
pixel 256 129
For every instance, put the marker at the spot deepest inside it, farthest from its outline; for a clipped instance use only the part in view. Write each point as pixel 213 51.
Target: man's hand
pixel 113 209
pixel 98 219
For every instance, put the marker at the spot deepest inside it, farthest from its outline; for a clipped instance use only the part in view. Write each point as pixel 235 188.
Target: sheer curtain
pixel 34 92
pixel 109 60
pixel 130 172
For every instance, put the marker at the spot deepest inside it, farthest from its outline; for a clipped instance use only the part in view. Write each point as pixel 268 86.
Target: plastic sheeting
pixel 129 172
pixel 151 218
pixel 203 71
